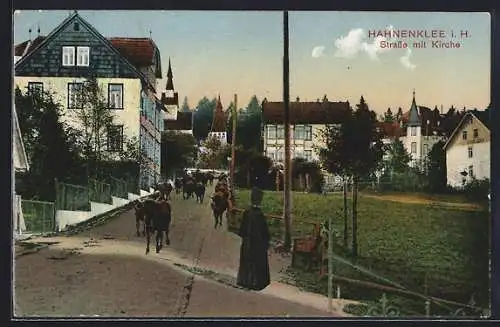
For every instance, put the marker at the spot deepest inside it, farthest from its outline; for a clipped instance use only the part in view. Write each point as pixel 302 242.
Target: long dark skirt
pixel 253 272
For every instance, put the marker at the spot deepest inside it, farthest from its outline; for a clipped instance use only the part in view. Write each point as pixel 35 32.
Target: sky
pixel 215 52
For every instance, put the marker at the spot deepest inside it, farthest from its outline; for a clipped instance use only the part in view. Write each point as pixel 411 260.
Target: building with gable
pixel 218 129
pixel 306 118
pixel 126 69
pixel 468 149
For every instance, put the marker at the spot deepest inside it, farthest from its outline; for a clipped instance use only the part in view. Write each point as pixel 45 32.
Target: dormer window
pixel 68 56
pixel 464 135
pixel 82 57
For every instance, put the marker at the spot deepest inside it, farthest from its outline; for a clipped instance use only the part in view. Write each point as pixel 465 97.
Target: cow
pixel 200 192
pixel 157 218
pixel 188 188
pixel 165 189
pixel 219 206
pixel 140 217
pixel 210 178
pixel 178 185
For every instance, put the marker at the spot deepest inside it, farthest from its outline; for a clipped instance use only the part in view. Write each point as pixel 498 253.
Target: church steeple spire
pixel 414 117
pixel 170 81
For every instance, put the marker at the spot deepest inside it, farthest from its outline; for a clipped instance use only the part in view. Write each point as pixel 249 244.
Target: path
pixel 112 276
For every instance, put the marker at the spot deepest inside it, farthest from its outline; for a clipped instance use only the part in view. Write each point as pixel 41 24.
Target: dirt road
pixel 105 272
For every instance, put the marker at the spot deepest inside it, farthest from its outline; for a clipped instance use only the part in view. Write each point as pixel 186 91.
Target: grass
pixel 445 248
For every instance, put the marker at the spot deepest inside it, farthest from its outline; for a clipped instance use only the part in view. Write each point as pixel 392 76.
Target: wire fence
pixel 383 307
pixel 39 216
pixel 72 197
pixel 100 191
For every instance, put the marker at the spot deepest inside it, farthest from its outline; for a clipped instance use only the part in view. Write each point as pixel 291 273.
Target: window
pixel 413 147
pixel 74 95
pixel 299 132
pixel 299 154
pixel 82 56
pixel 280 133
pixel 464 135
pixel 35 87
pixel 308 155
pixel 471 171
pixel 426 149
pixel 469 151
pixel 115 96
pixel 279 156
pixel 475 133
pixel 115 138
pixel 271 132
pixel 413 131
pixel 271 155
pixel 68 56
pixel 308 133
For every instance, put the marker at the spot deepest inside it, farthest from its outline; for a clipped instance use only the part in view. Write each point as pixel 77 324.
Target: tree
pixel 94 119
pixel 366 153
pixel 388 116
pixel 335 156
pixel 203 116
pixel 399 114
pixel 213 154
pixel 178 150
pixel 185 105
pixel 398 159
pixel 51 150
pixel 437 168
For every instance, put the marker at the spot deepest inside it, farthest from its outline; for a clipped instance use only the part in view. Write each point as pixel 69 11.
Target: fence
pixel 72 197
pixel 39 216
pixel 100 191
pixel 118 187
pixel 383 307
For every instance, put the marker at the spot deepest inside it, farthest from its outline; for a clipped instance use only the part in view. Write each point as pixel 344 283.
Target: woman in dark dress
pixel 253 272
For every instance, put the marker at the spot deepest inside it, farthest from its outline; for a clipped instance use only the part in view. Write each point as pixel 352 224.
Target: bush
pixel 477 189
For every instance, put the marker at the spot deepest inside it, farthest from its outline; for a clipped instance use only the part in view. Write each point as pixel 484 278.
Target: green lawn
pixel 406 243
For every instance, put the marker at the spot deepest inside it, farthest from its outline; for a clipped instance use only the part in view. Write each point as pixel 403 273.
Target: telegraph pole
pixel 233 143
pixel 286 101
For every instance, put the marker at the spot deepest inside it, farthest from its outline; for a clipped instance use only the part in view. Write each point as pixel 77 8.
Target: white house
pixel 125 68
pixel 468 149
pixel 306 118
pixel 19 163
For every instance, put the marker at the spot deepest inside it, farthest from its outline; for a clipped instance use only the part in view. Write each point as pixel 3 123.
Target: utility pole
pixel 233 143
pixel 286 101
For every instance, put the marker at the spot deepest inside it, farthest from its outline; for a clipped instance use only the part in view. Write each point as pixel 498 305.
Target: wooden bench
pixel 310 247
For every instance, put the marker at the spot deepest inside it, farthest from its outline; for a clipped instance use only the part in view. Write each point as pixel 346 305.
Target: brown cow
pixel 157 217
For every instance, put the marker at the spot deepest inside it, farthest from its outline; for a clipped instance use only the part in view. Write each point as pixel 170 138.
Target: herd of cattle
pixel 155 213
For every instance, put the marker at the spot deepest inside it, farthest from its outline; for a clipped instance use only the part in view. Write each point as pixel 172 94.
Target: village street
pixel 104 271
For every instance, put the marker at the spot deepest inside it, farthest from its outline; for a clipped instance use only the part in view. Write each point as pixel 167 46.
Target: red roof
pixel 305 112
pixel 390 129
pixel 139 51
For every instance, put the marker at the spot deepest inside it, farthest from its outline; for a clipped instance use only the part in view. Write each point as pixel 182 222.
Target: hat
pixel 256 196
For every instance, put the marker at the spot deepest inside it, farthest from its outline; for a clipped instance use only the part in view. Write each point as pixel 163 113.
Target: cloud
pixel 405 60
pixel 318 51
pixel 348 46
pixel 17 12
pixel 355 42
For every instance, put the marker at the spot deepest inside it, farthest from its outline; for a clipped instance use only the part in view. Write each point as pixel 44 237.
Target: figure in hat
pixel 253 272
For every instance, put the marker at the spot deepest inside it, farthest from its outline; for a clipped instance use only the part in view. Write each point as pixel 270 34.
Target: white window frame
pixel 115 96
pixel 82 56
pixel 68 56
pixel 74 99
pixel 413 130
pixel 413 148
pixel 308 155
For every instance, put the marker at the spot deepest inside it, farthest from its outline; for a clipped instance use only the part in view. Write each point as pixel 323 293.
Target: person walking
pixel 253 272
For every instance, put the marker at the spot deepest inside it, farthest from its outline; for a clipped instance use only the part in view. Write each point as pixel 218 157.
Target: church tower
pixel 170 98
pixel 414 132
pixel 218 128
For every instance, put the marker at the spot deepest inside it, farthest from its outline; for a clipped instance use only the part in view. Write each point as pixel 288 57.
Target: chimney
pixel 38 30
pixel 163 98
pixel 29 34
pixel 298 99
